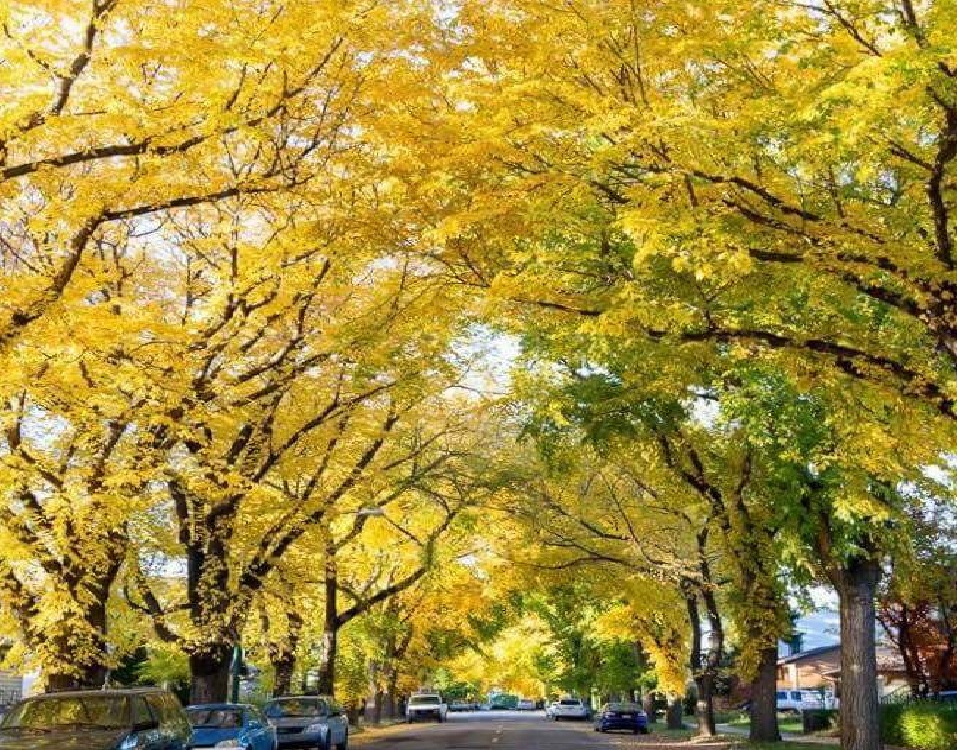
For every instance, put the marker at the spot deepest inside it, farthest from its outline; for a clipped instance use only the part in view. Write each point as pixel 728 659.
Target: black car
pixel 143 719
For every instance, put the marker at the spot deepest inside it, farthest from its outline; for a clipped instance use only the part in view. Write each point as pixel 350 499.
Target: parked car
pixel 142 719
pixel 461 706
pixel 308 721
pixel 525 705
pixel 804 700
pixel 550 709
pixel 426 706
pixel 627 716
pixel 570 708
pixel 245 726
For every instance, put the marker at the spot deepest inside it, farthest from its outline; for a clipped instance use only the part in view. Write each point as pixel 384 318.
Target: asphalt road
pixel 497 730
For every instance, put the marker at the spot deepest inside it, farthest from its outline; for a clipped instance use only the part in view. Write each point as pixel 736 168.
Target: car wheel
pixel 643 730
pixel 344 745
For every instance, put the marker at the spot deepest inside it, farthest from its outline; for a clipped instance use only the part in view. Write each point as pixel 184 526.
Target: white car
pixel 426 706
pixel 525 705
pixel 570 708
pixel 804 700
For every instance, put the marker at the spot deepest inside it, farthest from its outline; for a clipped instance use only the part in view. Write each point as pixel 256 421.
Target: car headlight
pixel 130 743
pixel 315 728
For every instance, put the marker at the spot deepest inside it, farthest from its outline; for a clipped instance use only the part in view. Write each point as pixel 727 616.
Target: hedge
pixel 921 725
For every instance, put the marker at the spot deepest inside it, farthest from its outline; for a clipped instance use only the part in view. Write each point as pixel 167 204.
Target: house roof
pixel 809 654
pixel 889 661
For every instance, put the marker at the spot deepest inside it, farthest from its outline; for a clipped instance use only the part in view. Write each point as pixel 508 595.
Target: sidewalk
pixel 811 739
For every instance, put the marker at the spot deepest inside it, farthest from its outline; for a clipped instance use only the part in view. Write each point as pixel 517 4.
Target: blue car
pixel 235 725
pixel 621 716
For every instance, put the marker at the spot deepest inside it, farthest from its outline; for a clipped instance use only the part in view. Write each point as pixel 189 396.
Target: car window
pixel 141 712
pixel 67 712
pixel 160 711
pixel 425 700
pixel 570 702
pixel 218 718
pixel 295 707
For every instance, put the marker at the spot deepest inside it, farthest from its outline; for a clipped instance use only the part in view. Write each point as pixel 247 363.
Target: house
pixel 821 667
pixel 808 670
pixel 891 674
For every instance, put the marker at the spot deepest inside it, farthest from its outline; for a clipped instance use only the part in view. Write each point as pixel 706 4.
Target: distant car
pixel 461 706
pixel 550 710
pixel 570 708
pixel 621 716
pixel 426 706
pixel 216 724
pixel 308 721
pixel 141 719
pixel 525 705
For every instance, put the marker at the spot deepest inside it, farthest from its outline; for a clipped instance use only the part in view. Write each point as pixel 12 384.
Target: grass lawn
pixel 743 744
pixel 671 734
pixel 789 724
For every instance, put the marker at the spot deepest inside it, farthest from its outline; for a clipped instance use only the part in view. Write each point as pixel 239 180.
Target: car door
pixel 338 723
pixel 259 732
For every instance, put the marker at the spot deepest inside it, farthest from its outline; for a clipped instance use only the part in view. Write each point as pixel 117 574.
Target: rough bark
pixel 209 670
pixel 857 589
pixel 764 715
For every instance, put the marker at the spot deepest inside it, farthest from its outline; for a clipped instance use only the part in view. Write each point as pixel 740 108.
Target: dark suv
pixel 142 719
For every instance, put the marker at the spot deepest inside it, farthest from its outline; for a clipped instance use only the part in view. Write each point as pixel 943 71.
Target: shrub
pixel 922 725
pixel 819 720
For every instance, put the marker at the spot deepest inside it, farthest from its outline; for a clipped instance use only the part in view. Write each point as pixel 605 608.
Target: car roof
pixel 108 693
pixel 219 706
pixel 300 698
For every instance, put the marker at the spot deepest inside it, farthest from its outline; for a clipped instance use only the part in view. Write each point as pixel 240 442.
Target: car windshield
pixel 623 707
pixel 218 718
pixel 69 712
pixel 425 700
pixel 292 708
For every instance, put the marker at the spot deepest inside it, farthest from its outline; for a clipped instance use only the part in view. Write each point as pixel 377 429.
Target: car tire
pixel 344 745
pixel 643 730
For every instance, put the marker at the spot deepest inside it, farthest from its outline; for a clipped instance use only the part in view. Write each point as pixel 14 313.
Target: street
pixel 507 730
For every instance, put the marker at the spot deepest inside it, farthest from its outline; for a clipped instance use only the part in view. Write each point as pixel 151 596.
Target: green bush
pixel 922 726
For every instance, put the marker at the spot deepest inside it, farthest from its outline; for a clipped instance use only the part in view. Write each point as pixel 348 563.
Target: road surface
pixel 504 730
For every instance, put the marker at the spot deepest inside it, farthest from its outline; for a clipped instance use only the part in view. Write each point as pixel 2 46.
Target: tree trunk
pixel 330 628
pixel 210 674
pixel 857 588
pixel 704 704
pixel 648 704
pixel 764 714
pixel 284 666
pixel 675 712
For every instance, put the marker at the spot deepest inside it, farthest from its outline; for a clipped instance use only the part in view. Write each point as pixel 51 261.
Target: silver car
pixel 308 721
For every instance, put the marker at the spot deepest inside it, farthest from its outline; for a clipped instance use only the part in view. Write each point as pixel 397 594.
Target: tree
pixel 118 124
pixel 918 605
